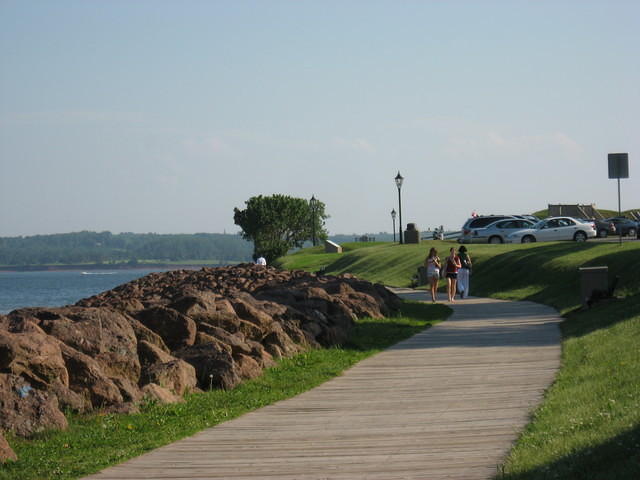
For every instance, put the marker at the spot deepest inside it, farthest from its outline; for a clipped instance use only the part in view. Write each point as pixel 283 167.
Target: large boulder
pixel 159 394
pixel 279 344
pixel 177 376
pixel 236 341
pixel 101 333
pixel 166 370
pixel 151 354
pixel 214 366
pixel 130 391
pixel 146 334
pixel 198 305
pixel 87 378
pixel 249 309
pixel 177 330
pixel 25 410
pixel 258 352
pixel 362 305
pixel 35 356
pixel 246 366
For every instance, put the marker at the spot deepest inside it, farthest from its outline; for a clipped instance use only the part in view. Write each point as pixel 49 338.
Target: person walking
pixel 464 272
pixel 433 272
pixel 451 271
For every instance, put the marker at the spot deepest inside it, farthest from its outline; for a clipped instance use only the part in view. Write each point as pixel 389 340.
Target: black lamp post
pixel 313 203
pixel 399 180
pixel 393 218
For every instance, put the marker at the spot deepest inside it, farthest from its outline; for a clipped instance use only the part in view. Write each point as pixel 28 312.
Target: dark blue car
pixel 623 226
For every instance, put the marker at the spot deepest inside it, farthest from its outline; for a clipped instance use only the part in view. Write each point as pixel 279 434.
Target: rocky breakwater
pixel 166 334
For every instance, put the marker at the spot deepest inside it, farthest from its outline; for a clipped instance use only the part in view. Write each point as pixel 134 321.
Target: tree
pixel 279 223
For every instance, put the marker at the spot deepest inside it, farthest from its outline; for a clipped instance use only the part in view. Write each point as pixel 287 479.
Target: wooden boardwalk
pixel 446 403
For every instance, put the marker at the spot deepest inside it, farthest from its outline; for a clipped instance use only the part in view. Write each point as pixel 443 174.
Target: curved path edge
pixel 447 403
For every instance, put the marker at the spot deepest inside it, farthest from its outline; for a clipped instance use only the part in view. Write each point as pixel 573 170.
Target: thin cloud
pixel 496 144
pixel 207 146
pixel 356 144
pixel 71 117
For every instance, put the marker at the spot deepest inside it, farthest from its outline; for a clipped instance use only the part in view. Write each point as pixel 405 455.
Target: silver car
pixel 555 228
pixel 498 231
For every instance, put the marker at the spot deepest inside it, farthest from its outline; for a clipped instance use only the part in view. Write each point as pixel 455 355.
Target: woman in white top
pixel 433 272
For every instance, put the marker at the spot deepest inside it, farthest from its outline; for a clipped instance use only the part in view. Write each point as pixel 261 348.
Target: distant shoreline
pixel 106 266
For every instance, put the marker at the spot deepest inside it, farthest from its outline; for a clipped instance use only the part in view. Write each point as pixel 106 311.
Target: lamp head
pixel 399 178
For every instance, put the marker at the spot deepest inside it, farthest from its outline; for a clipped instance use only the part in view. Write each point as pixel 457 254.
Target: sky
pixel 162 116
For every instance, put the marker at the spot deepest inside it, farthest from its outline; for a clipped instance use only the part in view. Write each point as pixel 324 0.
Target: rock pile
pixel 166 334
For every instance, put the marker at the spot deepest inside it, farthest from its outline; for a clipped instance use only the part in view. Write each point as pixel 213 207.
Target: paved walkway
pixel 446 403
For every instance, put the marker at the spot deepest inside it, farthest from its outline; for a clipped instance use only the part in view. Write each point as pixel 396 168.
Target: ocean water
pixel 59 288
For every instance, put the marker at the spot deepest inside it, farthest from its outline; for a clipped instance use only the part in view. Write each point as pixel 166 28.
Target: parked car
pixel 497 232
pixel 533 218
pixel 603 227
pixel 478 222
pixel 555 228
pixel 623 226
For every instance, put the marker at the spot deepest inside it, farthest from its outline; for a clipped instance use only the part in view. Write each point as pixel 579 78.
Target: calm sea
pixel 58 288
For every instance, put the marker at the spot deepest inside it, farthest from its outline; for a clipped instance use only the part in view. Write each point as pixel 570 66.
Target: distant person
pixel 464 272
pixel 433 272
pixel 261 261
pixel 451 272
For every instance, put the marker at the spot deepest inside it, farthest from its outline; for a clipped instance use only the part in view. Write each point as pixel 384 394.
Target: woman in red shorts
pixel 451 272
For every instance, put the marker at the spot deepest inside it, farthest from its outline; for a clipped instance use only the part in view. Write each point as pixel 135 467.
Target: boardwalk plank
pixel 446 403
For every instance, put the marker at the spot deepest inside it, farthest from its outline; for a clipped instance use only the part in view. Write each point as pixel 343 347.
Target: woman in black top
pixel 463 272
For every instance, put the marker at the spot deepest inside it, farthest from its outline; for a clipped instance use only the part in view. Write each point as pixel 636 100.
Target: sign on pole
pixel 618 165
pixel 619 168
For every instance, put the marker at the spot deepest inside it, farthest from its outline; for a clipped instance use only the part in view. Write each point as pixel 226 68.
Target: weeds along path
pixel 446 403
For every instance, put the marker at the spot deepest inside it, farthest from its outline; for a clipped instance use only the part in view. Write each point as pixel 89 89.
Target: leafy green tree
pixel 279 223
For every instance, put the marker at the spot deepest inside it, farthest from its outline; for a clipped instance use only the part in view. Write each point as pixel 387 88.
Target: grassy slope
pixel 589 424
pixel 94 442
pixel 605 213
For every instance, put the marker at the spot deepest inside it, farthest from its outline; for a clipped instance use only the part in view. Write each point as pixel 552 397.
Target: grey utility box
pixel 411 234
pixel 592 279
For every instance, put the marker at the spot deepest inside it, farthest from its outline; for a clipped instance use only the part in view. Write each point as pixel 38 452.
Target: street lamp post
pixel 312 205
pixel 399 180
pixel 393 218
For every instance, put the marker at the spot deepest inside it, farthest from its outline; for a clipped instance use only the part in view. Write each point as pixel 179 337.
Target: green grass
pixel 387 263
pixel 94 442
pixel 588 426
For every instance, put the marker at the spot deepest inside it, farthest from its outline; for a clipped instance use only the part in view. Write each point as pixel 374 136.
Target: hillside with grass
pixel 604 212
pixel 588 426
